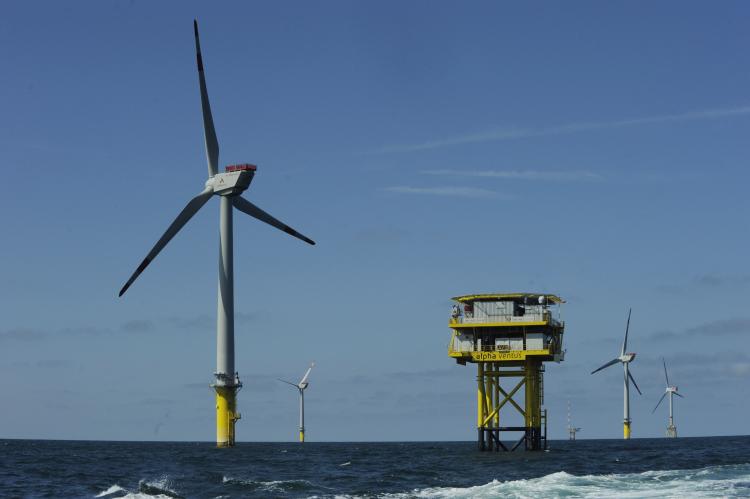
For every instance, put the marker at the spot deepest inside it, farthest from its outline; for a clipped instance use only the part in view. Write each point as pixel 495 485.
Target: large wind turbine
pixel 228 186
pixel 625 359
pixel 671 390
pixel 301 386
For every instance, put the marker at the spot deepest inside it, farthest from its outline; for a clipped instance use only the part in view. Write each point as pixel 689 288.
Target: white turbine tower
pixel 301 386
pixel 625 359
pixel 228 186
pixel 671 390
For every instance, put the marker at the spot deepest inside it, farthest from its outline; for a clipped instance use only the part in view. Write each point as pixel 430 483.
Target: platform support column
pixel 533 409
pixel 489 390
pixel 480 406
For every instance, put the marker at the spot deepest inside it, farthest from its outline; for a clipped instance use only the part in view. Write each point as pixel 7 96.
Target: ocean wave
pixel 713 481
pixel 112 490
pixel 270 485
pixel 147 489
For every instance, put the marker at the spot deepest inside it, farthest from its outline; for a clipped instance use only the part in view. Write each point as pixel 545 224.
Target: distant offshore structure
pixel 301 386
pixel 572 430
pixel 508 336
pixel 228 186
pixel 625 359
pixel 670 390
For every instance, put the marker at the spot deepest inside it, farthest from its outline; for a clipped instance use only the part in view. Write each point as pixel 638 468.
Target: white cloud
pixel 520 174
pixel 471 192
pixel 499 134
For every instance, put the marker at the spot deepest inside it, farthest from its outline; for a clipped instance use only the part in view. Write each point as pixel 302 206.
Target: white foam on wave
pixel 267 486
pixel 148 489
pixel 715 481
pixel 111 490
pixel 116 489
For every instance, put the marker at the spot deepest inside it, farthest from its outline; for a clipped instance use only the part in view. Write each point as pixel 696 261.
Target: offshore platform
pixel 508 337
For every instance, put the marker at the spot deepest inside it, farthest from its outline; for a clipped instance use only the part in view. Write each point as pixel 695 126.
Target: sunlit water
pixel 685 467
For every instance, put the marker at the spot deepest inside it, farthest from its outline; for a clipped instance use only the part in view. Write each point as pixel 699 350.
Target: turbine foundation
pixel 226 413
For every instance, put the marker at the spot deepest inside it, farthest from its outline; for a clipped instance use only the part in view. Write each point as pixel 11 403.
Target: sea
pixel 678 468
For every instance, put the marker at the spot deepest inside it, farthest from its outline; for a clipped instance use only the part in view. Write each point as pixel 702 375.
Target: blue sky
pixel 594 150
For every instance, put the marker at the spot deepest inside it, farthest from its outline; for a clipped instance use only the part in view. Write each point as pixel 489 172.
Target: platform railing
pixel 529 317
pixel 546 345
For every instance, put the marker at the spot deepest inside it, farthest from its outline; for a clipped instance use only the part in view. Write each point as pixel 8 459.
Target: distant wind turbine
pixel 625 359
pixel 671 390
pixel 301 386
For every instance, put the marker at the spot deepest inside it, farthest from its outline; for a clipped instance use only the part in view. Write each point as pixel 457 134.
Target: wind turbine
pixel 671 390
pixel 228 186
pixel 625 359
pixel 301 386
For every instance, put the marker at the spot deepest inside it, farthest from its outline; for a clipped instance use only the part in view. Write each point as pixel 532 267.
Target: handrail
pixel 546 345
pixel 529 317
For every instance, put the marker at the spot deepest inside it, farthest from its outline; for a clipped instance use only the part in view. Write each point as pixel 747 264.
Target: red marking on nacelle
pixel 242 167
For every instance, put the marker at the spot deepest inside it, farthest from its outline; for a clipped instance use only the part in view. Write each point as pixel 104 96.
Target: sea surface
pixel 684 467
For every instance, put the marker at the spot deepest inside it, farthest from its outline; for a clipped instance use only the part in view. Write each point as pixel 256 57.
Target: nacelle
pixel 236 179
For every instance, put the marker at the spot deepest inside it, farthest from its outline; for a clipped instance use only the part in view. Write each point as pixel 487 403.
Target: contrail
pixel 500 134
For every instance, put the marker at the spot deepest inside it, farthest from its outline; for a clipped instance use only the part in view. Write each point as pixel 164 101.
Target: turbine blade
pixel 658 403
pixel 304 378
pixel 634 383
pixel 610 363
pixel 288 382
pixel 679 395
pixel 246 206
pixel 627 328
pixel 212 144
pixel 185 215
pixel 666 376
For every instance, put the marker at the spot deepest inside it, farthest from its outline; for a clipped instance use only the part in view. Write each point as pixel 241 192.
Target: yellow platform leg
pixel 533 409
pixel 226 415
pixel 626 430
pixel 302 436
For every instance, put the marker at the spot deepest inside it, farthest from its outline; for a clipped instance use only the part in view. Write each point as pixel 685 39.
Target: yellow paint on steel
pixel 302 436
pixel 506 296
pixel 480 395
pixel 507 397
pixel 497 395
pixel 533 399
pixel 226 415
pixel 626 430
pixel 495 356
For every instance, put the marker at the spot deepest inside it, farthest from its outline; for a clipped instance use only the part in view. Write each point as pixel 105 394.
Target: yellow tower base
pixel 626 430
pixel 302 436
pixel 226 415
pixel 492 398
